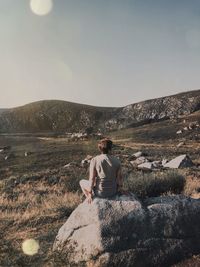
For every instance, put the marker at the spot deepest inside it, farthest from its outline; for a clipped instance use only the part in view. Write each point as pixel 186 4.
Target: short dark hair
pixel 105 145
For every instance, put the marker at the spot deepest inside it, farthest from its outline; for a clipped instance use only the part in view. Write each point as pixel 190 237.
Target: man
pixel 105 178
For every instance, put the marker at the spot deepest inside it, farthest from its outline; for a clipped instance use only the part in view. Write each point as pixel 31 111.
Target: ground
pixel 38 193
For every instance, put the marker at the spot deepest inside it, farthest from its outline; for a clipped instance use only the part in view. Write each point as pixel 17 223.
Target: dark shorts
pixel 101 194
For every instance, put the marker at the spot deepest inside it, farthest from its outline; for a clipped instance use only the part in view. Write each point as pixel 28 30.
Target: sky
pixel 97 52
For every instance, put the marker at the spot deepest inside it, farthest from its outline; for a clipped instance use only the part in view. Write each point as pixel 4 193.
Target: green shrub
pixel 71 181
pixel 155 184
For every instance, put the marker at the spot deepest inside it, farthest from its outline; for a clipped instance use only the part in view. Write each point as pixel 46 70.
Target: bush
pixel 71 181
pixel 155 184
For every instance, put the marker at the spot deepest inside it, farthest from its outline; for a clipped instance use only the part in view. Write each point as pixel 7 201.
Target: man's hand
pixel 89 199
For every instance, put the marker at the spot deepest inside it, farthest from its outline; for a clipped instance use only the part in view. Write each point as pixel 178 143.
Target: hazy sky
pixel 98 52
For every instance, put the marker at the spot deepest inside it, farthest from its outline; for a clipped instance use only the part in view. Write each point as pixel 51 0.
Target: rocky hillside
pixel 59 116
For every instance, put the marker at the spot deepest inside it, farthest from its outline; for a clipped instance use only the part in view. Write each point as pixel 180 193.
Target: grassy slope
pixel 52 115
pixel 56 115
pixel 37 194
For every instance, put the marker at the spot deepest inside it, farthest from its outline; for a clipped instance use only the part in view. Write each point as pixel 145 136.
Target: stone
pixel 85 162
pixel 71 164
pixel 89 157
pixel 182 161
pixel 146 165
pixel 164 161
pixel 9 156
pixel 138 154
pixel 123 231
pixel 139 161
pixel 157 164
pixel 179 132
pixel 180 144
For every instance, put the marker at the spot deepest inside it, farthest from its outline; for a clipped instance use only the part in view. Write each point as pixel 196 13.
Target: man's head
pixel 105 145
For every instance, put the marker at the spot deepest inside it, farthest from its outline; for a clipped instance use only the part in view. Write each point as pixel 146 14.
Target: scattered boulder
pixel 146 165
pixel 137 154
pixel 4 148
pixel 182 161
pixel 71 164
pixel 179 132
pixel 164 161
pixel 9 156
pixel 139 161
pixel 122 231
pixel 192 125
pixel 27 153
pixel 89 157
pixel 84 163
pixel 180 144
pixel 157 164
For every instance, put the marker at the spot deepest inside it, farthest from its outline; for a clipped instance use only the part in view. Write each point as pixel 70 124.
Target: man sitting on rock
pixel 105 179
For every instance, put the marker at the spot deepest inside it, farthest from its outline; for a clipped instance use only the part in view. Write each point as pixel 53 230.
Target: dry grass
pixel 37 194
pixel 192 187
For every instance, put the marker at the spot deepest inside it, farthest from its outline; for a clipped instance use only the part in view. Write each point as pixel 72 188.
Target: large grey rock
pixel 139 161
pixel 181 161
pixel 125 232
pixel 146 165
pixel 137 154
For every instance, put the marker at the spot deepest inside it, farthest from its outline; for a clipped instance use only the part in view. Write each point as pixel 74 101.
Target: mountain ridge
pixel 65 116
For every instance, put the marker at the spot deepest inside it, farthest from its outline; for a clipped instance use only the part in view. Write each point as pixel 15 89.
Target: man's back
pixel 107 167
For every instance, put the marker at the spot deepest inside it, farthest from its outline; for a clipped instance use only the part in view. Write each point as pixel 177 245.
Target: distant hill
pixel 2 110
pixel 63 116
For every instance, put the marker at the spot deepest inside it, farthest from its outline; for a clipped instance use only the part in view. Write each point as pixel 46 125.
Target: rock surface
pixel 64 116
pixel 146 165
pixel 179 162
pixel 125 232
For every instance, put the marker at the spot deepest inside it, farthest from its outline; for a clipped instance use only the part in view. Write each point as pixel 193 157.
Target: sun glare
pixel 41 7
pixel 30 247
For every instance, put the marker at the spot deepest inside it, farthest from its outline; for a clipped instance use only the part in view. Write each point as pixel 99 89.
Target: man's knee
pixel 81 183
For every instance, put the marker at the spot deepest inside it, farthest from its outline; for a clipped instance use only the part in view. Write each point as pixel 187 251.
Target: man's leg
pixel 85 186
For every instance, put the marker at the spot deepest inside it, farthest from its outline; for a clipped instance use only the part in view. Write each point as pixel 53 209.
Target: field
pixel 38 193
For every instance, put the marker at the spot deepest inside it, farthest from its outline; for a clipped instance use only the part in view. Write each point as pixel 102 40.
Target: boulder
pixel 146 165
pixel 138 154
pixel 71 164
pixel 180 144
pixel 9 156
pixel 138 161
pixel 157 164
pixel 27 153
pixel 85 162
pixel 182 161
pixel 179 132
pixel 122 231
pixel 164 161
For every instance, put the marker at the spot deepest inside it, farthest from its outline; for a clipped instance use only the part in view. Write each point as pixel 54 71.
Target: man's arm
pixel 92 179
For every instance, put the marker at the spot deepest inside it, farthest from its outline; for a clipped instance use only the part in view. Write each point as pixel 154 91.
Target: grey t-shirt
pixel 106 166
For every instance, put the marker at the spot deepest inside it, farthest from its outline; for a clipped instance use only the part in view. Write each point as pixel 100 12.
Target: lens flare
pixel 30 247
pixel 41 7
